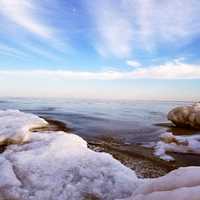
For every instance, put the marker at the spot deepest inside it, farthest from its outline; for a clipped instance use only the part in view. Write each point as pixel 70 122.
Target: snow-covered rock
pixel 179 144
pixel 180 184
pixel 57 165
pixel 186 116
pixel 15 126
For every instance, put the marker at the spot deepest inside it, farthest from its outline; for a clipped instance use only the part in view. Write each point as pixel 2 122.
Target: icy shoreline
pixel 180 144
pixel 58 165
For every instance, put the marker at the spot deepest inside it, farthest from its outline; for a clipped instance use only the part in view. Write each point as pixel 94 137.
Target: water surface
pixel 131 121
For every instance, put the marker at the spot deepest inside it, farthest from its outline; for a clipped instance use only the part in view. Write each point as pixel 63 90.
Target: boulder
pixel 186 116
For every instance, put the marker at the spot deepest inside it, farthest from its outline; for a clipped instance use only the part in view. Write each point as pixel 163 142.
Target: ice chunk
pixel 15 125
pixel 180 144
pixel 60 166
pixel 180 184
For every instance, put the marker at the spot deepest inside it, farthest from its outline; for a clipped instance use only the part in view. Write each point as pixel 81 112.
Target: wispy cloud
pixel 13 52
pixel 145 24
pixel 114 31
pixel 28 25
pixel 170 70
pixel 23 13
pixel 133 63
pixel 166 21
pixel 63 74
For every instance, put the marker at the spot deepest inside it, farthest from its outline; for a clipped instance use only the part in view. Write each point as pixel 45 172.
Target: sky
pixel 116 49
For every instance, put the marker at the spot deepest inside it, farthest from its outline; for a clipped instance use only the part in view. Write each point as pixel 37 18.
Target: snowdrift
pixel 59 165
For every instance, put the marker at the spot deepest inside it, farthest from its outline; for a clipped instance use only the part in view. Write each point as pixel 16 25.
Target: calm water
pixel 131 121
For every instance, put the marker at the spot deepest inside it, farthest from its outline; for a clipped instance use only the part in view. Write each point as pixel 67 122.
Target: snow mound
pixel 15 126
pixel 60 166
pixel 188 116
pixel 180 184
pixel 179 144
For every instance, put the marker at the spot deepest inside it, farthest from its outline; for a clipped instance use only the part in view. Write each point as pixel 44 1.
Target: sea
pixel 131 121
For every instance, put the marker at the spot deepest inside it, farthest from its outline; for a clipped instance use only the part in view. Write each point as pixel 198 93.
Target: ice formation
pixel 186 116
pixel 15 126
pixel 59 165
pixel 179 144
pixel 180 184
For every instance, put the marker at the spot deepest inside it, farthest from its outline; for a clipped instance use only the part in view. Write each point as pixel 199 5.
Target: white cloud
pixel 133 63
pixel 19 17
pixel 171 70
pixel 166 21
pixel 22 12
pixel 63 74
pixel 114 31
pixel 145 24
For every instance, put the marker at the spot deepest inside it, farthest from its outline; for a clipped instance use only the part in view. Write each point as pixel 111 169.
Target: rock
pixel 186 116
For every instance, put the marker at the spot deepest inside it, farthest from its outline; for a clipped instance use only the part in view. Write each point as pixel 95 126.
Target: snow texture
pixel 180 184
pixel 179 144
pixel 59 165
pixel 15 126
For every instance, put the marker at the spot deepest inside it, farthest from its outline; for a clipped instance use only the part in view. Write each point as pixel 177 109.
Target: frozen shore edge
pixel 57 165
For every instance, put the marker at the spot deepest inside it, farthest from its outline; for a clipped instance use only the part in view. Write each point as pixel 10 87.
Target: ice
pixel 180 184
pixel 179 144
pixel 15 126
pixel 59 165
pixel 56 165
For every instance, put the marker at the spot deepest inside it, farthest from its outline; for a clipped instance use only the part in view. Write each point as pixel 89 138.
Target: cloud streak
pixel 170 70
pixel 21 12
pixel 143 24
pixel 114 31
pixel 133 63
pixel 26 23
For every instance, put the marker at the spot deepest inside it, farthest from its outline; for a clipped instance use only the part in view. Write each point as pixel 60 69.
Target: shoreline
pixel 136 157
pixel 93 175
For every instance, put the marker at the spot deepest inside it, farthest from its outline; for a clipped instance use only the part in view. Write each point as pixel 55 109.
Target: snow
pixel 179 144
pixel 59 165
pixel 180 184
pixel 15 126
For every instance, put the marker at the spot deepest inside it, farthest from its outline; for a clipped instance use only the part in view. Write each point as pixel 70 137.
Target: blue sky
pixel 134 49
